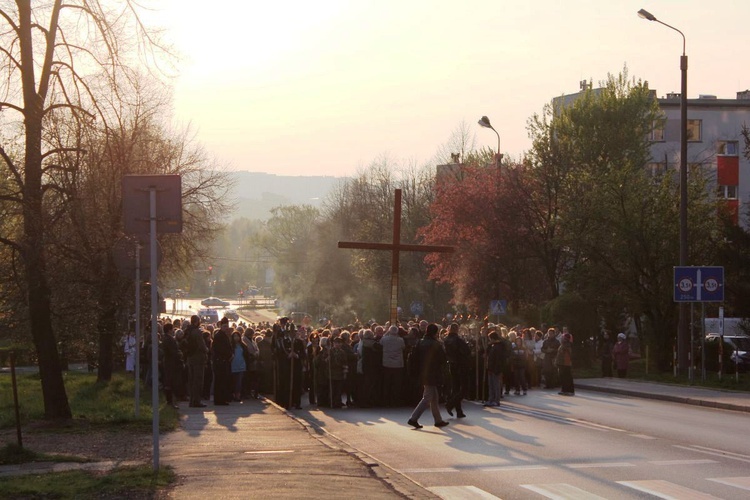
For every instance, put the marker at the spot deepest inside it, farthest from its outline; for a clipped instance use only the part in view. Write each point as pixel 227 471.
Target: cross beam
pixel 396 247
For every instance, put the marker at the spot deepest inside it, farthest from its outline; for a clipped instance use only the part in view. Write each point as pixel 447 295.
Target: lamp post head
pixel 485 122
pixel 646 15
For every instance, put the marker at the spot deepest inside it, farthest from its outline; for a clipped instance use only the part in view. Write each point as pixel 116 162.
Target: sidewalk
pixel 698 396
pixel 257 449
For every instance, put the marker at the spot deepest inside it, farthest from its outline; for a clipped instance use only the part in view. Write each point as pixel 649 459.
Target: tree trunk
pixel 53 388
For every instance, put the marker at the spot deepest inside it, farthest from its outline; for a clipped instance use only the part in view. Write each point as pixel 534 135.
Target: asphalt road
pixel 543 445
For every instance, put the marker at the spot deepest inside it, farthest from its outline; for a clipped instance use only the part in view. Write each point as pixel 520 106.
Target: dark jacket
pixel 222 347
pixel 457 351
pixel 172 362
pixel 496 356
pixel 196 347
pixel 431 361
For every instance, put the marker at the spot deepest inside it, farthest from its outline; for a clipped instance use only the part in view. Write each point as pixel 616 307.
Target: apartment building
pixel 715 142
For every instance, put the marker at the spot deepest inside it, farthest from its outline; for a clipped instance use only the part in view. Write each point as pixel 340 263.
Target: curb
pixel 666 397
pixel 53 467
pixel 399 483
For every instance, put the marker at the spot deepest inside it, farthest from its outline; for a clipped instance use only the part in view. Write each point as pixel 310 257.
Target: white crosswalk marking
pixel 561 491
pixel 462 493
pixel 737 482
pixel 683 462
pixel 666 490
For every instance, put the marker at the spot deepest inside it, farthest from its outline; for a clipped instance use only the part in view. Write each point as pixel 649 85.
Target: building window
pixel 694 130
pixel 655 169
pixel 657 131
pixel 727 192
pixel 729 148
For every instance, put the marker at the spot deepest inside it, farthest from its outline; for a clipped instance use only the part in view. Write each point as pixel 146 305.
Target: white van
pixel 209 316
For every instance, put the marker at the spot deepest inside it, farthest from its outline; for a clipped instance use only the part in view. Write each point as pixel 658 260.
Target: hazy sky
pixel 325 87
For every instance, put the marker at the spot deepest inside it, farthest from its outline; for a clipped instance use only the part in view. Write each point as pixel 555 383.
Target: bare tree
pixel 53 55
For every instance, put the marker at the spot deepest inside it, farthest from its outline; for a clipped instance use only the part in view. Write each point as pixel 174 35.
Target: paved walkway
pixel 257 449
pixel 713 398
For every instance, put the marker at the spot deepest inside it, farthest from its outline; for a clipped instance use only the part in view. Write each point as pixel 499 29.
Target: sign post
pixel 699 284
pixel 140 207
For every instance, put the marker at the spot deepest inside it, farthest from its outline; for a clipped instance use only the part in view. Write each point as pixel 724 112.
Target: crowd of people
pixel 411 363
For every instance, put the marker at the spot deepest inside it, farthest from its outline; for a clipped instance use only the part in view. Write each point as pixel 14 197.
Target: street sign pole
pixel 137 327
pixel 154 331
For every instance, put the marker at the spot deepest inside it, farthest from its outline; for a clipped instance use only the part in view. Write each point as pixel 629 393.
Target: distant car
pixel 231 315
pixel 209 316
pixel 214 302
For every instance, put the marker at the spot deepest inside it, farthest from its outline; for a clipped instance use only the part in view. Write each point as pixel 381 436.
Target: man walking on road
pixel 458 353
pixel 429 362
pixel 197 355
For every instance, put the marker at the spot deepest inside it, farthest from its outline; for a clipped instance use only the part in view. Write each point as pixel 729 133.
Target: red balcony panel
pixel 728 170
pixel 730 208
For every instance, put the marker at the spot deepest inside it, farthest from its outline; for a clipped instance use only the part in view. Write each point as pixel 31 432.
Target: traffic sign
pixel 698 284
pixel 498 307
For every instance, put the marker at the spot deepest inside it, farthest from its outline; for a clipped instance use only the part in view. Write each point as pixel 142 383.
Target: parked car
pixel 736 346
pixel 214 302
pixel 232 315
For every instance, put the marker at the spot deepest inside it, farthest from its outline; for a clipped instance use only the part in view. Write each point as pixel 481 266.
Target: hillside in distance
pixel 256 193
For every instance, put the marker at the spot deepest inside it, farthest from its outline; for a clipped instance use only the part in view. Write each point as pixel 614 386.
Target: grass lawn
pixel 107 406
pixel 97 403
pixel 125 482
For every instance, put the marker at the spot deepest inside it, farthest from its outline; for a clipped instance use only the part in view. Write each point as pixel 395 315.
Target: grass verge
pixel 107 404
pixel 124 482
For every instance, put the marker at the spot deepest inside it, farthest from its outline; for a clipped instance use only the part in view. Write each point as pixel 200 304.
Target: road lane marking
pixel 683 462
pixel 738 482
pixel 510 468
pixel 267 452
pixel 666 490
pixel 715 452
pixel 461 493
pixel 430 471
pixel 642 436
pixel 594 465
pixel 557 418
pixel 501 468
pixel 561 491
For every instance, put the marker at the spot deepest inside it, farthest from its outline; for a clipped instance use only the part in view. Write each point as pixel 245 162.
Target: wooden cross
pixel 396 247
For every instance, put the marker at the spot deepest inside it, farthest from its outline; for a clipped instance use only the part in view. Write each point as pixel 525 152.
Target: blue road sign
pixel 498 307
pixel 698 284
pixel 417 308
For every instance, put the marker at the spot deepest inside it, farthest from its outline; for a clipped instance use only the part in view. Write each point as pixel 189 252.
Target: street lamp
pixel 682 329
pixel 485 122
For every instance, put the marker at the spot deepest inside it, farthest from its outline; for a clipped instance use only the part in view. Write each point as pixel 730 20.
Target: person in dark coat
pixel 289 352
pixel 605 353
pixel 371 357
pixel 222 358
pixel 495 365
pixel 549 348
pixel 208 369
pixel 429 361
pixel 172 364
pixel 458 353
pixel 197 355
pixel 621 355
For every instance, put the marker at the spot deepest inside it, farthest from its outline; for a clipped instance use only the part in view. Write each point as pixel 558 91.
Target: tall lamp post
pixel 683 333
pixel 485 122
